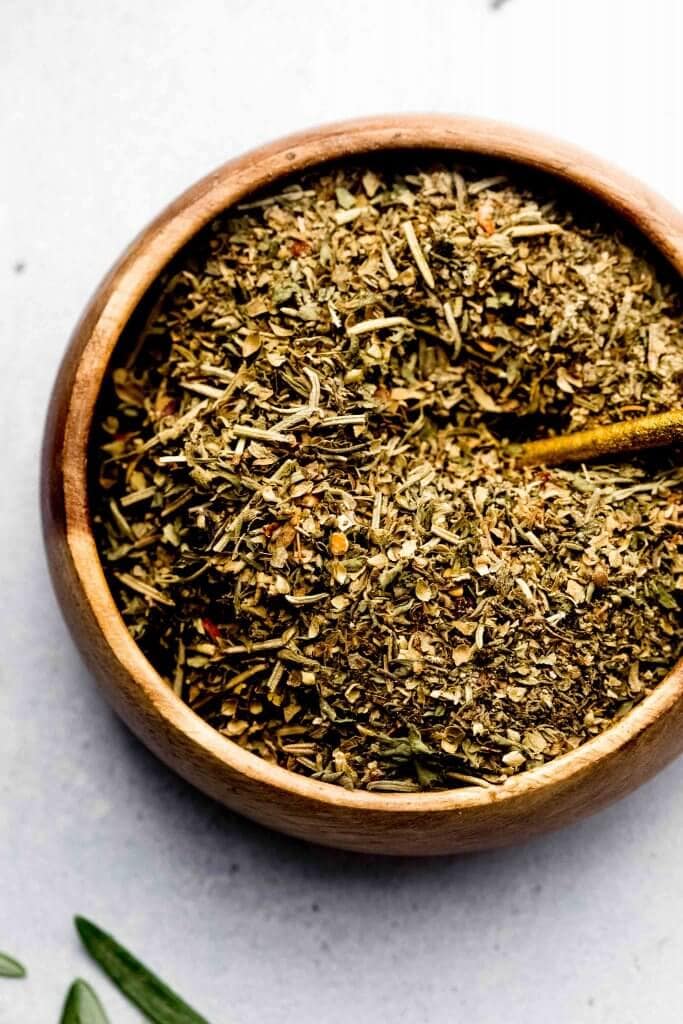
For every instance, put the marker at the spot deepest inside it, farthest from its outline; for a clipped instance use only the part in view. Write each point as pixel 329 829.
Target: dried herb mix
pixel 303 494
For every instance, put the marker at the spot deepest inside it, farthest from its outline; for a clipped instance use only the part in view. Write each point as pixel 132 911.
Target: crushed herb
pixel 301 492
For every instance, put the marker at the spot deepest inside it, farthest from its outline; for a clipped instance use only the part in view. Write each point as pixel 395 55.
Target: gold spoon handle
pixel 636 435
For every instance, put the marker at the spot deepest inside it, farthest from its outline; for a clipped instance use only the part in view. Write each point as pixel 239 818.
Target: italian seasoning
pixel 303 495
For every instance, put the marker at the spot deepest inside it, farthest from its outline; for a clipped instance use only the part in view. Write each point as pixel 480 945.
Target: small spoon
pixel 658 431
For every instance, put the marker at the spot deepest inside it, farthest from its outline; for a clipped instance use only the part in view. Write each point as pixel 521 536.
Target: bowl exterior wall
pixel 466 820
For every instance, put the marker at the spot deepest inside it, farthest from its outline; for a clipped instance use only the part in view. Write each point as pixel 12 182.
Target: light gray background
pixel 108 110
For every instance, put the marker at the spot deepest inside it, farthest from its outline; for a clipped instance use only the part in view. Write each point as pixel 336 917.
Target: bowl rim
pixel 124 287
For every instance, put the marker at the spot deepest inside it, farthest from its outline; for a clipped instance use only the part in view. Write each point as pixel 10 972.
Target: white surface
pixel 108 111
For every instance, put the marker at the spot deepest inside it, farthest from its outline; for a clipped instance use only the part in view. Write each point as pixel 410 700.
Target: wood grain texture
pixel 662 430
pixel 560 792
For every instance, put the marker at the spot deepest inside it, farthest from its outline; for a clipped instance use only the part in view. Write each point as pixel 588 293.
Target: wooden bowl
pixel 472 818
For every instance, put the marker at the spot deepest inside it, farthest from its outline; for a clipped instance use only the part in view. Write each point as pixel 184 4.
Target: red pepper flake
pixel 338 544
pixel 485 218
pixel 212 630
pixel 299 247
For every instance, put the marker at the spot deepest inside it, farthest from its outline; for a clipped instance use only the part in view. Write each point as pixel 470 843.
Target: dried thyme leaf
pixel 82 1006
pixel 10 968
pixel 151 995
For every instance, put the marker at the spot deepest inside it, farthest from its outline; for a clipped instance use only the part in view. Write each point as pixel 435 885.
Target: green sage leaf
pixel 151 995
pixel 82 1006
pixel 10 968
